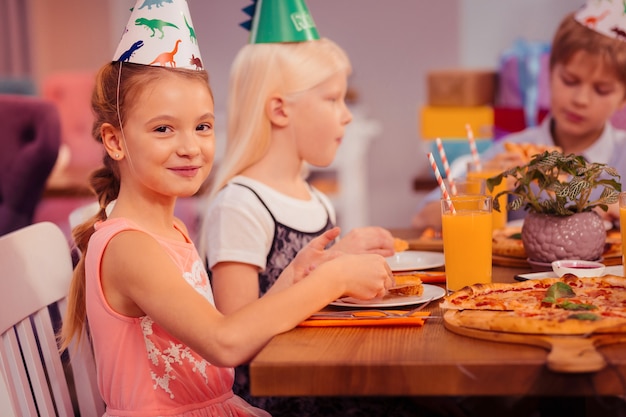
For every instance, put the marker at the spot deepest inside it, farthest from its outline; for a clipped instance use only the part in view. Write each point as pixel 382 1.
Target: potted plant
pixel 561 193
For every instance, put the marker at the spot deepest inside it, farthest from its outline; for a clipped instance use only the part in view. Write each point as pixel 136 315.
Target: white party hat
pixel 160 33
pixel 607 17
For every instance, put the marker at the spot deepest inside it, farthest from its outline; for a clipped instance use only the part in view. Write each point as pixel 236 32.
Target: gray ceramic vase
pixel 549 238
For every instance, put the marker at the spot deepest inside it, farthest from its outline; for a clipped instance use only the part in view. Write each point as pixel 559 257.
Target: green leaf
pixel 554 183
pixel 568 305
pixel 494 181
pixel 548 300
pixel 558 290
pixel 584 316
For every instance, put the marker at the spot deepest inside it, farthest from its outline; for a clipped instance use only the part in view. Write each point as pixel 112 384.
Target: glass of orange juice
pixel 622 226
pixel 465 186
pixel 487 170
pixel 467 229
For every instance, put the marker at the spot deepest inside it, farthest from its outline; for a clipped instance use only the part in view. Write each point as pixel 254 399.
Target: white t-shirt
pixel 238 228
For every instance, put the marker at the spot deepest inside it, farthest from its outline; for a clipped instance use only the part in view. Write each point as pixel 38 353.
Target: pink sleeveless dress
pixel 143 370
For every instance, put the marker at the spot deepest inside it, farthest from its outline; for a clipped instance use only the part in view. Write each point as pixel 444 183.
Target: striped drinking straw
pixel 444 190
pixel 472 144
pixel 446 166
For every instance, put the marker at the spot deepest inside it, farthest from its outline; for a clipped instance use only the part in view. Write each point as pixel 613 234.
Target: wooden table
pixel 420 361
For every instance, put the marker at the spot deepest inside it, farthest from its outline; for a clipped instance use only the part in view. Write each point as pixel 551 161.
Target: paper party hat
pixel 160 33
pixel 276 21
pixel 607 17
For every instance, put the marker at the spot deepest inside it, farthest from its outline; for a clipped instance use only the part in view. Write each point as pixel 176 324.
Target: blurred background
pixel 381 171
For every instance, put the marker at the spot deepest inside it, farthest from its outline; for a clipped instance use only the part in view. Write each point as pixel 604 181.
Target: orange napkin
pixel 427 277
pixel 416 319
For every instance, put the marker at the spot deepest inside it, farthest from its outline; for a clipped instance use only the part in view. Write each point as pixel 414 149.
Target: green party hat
pixel 275 21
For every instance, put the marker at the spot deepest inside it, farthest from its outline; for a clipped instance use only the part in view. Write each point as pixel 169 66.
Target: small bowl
pixel 577 267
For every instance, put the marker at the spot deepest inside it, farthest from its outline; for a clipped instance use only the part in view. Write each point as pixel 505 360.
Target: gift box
pixel 524 78
pixel 449 122
pixel 507 120
pixel 460 87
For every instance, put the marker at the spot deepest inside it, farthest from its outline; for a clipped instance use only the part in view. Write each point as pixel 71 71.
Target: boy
pixel 587 86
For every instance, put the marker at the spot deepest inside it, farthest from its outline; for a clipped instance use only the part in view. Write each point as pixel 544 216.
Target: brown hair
pixel 572 36
pixel 105 181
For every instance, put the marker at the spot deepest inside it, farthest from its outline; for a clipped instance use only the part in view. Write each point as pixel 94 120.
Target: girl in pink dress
pixel 140 290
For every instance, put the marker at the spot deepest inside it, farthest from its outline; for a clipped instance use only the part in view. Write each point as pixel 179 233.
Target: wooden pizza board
pixel 612 260
pixel 510 261
pixel 568 354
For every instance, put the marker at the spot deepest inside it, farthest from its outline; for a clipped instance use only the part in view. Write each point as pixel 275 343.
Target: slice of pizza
pixel 613 245
pixel 527 150
pixel 508 242
pixel 400 245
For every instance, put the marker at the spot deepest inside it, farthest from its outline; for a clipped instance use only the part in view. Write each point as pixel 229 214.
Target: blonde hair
pixel 258 71
pixel 112 82
pixel 572 36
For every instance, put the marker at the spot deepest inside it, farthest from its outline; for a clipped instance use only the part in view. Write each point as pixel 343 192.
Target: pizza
pixel 562 306
pixel 430 233
pixel 527 150
pixel 613 245
pixel 507 241
pixel 400 245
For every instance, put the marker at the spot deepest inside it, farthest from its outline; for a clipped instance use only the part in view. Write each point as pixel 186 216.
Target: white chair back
pixel 81 214
pixel 34 281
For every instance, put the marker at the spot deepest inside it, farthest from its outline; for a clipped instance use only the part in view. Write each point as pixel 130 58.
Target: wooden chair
pixel 35 380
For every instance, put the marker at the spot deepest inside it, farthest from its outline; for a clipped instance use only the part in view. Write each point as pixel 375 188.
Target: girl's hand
pixel 314 254
pixel 370 239
pixel 367 275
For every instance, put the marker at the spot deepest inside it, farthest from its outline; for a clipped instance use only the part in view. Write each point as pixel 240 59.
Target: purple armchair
pixel 30 137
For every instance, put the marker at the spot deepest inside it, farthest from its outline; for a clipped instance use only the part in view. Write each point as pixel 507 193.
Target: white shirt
pixel 238 228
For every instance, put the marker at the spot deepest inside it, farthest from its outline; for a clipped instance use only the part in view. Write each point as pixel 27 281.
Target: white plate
pixel 609 270
pixel 431 292
pixel 412 260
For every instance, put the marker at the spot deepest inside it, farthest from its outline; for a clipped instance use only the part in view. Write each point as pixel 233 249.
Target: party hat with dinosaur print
pixel 160 33
pixel 276 21
pixel 607 17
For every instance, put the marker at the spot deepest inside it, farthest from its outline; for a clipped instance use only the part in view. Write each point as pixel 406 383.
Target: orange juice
pixel 499 217
pixel 467 242
pixel 464 186
pixel 622 226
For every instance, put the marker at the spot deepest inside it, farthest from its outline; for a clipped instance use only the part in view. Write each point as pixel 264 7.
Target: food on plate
pixel 400 245
pixel 566 305
pixel 407 284
pixel 430 233
pixel 527 150
pixel 508 242
pixel 613 245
